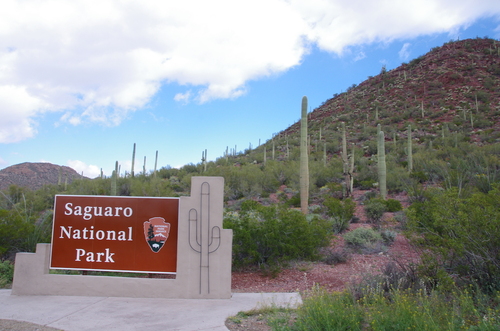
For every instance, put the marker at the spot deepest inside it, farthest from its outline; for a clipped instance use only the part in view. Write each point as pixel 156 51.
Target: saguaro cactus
pixel 203 238
pixel 351 170
pixel 204 160
pixel 273 149
pixel 410 150
pixel 345 161
pixel 304 160
pixel 156 164
pixel 382 170
pixel 133 161
pixel 114 179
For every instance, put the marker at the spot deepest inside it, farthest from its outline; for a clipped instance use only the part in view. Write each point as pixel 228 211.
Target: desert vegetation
pixel 437 121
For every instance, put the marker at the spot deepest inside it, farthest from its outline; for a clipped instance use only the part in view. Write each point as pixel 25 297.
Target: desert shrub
pixel 364 184
pixel 388 236
pixel 374 210
pixel 336 256
pixel 340 211
pixel 339 224
pixel 396 175
pixel 362 237
pixel 461 234
pixel 6 273
pixel 271 235
pixel 400 217
pixel 419 176
pixel 21 230
pixel 393 205
pixel 343 209
pixel 370 195
pixel 315 209
pixel 294 201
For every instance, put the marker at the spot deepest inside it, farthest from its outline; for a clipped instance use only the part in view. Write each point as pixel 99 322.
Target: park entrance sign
pixel 178 236
pixel 102 233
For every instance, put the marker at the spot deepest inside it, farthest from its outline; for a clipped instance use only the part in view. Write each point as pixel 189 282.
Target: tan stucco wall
pixel 204 273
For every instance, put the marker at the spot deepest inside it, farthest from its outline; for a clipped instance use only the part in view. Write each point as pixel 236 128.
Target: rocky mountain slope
pixel 454 88
pixel 35 175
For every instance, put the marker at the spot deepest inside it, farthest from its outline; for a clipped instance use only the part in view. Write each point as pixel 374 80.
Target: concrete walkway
pixel 106 313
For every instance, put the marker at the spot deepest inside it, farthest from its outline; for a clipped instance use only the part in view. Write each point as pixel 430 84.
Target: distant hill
pixel 35 175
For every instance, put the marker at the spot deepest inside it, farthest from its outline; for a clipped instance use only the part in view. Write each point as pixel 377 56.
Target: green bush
pixel 6 273
pixel 364 184
pixel 362 237
pixel 343 209
pixel 462 235
pixel 339 224
pixel 374 210
pixel 271 235
pixel 335 256
pixel 388 236
pixel 294 201
pixel 393 205
pixel 20 230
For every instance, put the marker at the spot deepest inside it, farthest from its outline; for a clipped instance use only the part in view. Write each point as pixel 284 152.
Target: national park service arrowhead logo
pixel 156 232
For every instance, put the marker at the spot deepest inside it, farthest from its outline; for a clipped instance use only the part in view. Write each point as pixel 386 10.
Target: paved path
pixel 106 313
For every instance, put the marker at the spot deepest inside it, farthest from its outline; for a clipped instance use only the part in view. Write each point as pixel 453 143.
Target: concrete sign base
pixel 203 262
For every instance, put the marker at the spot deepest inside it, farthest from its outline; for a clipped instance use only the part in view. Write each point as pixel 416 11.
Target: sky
pixel 81 81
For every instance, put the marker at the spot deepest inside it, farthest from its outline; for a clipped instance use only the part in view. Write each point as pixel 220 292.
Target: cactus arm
pixel 214 240
pixel 194 243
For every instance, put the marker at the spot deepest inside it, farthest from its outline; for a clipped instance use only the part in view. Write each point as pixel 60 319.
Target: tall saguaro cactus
pixel 156 164
pixel 204 160
pixel 382 170
pixel 351 170
pixel 273 150
pixel 410 150
pixel 133 161
pixel 114 180
pixel 345 161
pixel 304 160
pixel 203 238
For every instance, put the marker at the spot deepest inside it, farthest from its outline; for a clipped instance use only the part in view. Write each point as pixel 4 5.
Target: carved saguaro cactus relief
pixel 203 238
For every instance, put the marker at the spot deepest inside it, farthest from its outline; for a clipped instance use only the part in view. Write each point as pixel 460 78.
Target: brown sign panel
pixel 104 233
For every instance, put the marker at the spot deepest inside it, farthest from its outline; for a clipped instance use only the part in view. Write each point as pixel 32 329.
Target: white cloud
pixel 183 97
pixel 359 56
pixel 98 60
pixel 404 53
pixel 17 109
pixel 90 171
pixel 335 25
